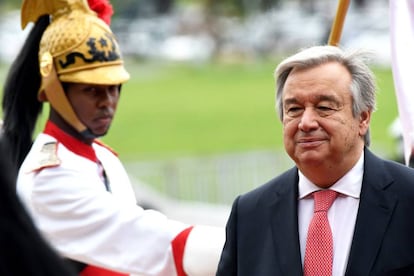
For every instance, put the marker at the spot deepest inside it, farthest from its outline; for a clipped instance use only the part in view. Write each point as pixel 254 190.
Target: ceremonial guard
pixel 75 187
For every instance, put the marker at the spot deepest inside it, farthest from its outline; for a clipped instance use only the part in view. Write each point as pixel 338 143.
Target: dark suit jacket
pixel 262 230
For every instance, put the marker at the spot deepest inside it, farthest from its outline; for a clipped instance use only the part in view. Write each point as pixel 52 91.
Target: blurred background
pixel 196 124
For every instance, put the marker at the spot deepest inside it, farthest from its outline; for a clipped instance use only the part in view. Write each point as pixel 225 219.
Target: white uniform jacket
pixel 62 184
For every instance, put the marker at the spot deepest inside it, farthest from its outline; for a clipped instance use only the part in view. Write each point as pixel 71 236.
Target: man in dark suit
pixel 325 98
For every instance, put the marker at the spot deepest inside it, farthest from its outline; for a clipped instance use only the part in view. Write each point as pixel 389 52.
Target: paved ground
pixel 189 212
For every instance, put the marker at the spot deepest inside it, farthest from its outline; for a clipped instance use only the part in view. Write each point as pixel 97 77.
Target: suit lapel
pixel 374 213
pixel 284 223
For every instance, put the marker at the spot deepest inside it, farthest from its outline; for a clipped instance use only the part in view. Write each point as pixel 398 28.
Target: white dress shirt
pixel 342 215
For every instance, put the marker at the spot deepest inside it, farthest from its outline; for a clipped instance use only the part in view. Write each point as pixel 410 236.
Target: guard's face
pixel 320 131
pixel 95 105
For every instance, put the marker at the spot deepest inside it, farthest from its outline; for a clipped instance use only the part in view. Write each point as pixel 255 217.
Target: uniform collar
pixel 350 184
pixel 75 145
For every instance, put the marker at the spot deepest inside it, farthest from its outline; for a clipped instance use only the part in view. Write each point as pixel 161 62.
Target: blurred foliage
pixel 6 5
pixel 139 8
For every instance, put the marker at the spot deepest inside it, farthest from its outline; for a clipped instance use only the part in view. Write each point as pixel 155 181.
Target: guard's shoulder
pixel 102 144
pixel 46 157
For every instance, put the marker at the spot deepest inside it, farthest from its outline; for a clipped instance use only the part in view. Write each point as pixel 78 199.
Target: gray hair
pixel 363 85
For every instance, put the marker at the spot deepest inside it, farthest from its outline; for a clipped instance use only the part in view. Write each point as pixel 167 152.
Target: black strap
pixel 104 176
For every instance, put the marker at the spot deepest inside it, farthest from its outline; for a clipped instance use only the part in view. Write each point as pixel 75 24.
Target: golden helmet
pixel 82 46
pixel 76 47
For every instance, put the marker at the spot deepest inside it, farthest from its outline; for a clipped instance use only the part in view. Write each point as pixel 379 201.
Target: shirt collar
pixel 350 184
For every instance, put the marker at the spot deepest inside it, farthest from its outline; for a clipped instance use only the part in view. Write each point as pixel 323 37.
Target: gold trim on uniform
pixel 48 155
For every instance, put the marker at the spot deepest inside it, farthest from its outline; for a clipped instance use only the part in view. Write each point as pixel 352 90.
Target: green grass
pixel 187 110
pixel 386 112
pixel 178 109
pixel 169 110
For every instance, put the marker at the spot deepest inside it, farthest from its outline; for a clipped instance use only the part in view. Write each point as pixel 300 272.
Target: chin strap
pixel 52 91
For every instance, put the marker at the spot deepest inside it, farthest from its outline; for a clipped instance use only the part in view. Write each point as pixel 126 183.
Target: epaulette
pixel 48 156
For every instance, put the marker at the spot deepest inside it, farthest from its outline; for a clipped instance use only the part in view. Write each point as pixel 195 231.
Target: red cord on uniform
pixel 178 247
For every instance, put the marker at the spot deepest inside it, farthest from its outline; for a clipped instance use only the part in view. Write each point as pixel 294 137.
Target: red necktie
pixel 319 244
